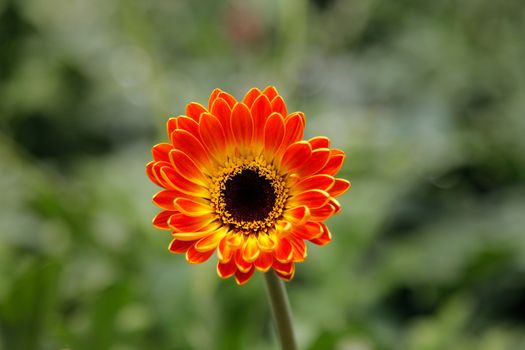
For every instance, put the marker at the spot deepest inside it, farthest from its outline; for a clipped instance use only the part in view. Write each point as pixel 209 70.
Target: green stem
pixel 282 314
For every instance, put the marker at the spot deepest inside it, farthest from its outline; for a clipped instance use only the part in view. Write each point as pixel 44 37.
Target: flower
pixel 238 179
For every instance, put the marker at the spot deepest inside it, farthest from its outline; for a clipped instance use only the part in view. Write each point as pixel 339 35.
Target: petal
pixel 242 126
pixel 195 257
pixel 192 208
pixel 286 269
pixel 228 98
pixel 319 181
pixel 212 135
pixel 190 145
pixel 194 110
pixel 298 215
pixel 227 269
pixel 250 97
pixel 214 94
pixel 243 277
pixel 211 241
pixel 270 92
pixel 286 277
pixel 319 142
pixel 294 126
pixel 165 198
pixel 176 181
pixel 310 230
pixel 264 261
pixel 335 162
pixel 325 238
pixel 222 111
pixel 187 167
pixel 235 240
pixel 190 125
pixel 151 174
pixel 260 110
pixel 279 106
pixel 224 252
pixel 242 265
pixel 323 213
pixel 265 242
pixel 183 223
pixel 312 198
pixel 250 250
pixel 299 249
pixel 283 252
pixel 180 247
pixel 171 125
pixel 160 152
pixel 296 155
pixel 316 162
pixel 340 186
pixel 274 130
pixel 161 219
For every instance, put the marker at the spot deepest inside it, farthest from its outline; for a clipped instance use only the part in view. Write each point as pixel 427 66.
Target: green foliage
pixel 426 98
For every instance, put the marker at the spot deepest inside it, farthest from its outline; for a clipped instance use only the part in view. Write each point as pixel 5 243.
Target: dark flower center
pixel 249 196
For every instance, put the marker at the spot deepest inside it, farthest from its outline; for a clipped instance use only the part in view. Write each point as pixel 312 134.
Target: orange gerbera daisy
pixel 238 179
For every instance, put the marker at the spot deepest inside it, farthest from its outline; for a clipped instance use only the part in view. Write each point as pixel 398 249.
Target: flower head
pixel 239 180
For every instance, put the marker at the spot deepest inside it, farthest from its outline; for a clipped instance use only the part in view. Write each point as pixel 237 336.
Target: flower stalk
pixel 281 311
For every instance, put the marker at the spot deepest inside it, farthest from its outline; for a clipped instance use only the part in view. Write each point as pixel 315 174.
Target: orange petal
pixel 242 265
pixel 161 220
pixel 160 152
pixel 194 110
pixel 319 181
pixel 183 223
pixel 228 98
pixel 285 269
pixel 227 269
pixel 260 110
pixel 242 126
pixel 323 213
pixel 294 126
pixel 273 133
pixel 340 186
pixel 190 145
pixel 235 240
pixel 334 164
pixel 192 208
pixel 283 252
pixel 298 215
pixel 296 155
pixel 195 257
pixel 171 125
pixel 250 97
pixel 265 242
pixel 316 162
pixel 224 252
pixel 155 171
pixel 250 250
pixel 308 231
pixel 299 249
pixel 214 94
pixel 270 92
pixel 325 238
pixel 152 176
pixel 222 110
pixel 264 261
pixel 286 277
pixel 211 241
pixel 176 181
pixel 187 167
pixel 312 198
pixel 319 142
pixel 190 125
pixel 279 106
pixel 283 227
pixel 212 135
pixel 180 247
pixel 165 198
pixel 243 277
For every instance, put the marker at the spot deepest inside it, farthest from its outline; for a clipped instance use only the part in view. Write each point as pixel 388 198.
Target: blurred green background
pixel 426 97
